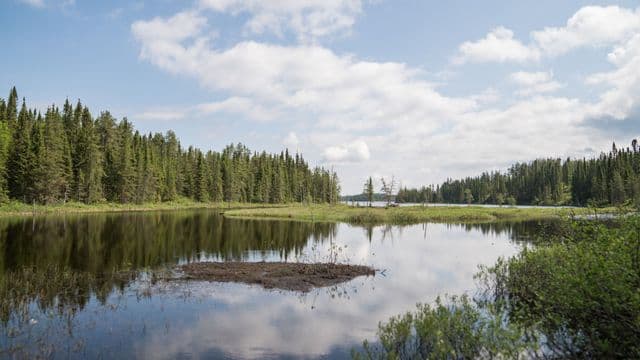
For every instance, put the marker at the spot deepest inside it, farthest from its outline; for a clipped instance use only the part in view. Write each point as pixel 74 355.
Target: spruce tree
pixel 89 161
pixel 20 162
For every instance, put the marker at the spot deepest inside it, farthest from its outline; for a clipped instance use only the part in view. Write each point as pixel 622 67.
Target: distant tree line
pixel 611 179
pixel 363 197
pixel 67 155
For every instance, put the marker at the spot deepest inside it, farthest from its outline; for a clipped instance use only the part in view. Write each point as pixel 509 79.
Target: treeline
pixel 67 155
pixel 363 197
pixel 611 179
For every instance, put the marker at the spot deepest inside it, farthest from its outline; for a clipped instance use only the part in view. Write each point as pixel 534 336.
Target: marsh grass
pixel 407 215
pixel 16 208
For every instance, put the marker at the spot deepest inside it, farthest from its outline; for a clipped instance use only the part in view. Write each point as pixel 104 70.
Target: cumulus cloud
pixel 535 82
pixel 589 26
pixel 239 105
pixel 354 152
pixel 624 82
pixel 307 19
pixel 499 46
pixel 592 26
pixel 348 108
pixel 291 141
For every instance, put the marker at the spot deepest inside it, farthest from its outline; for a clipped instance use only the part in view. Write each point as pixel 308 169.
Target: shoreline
pixel 318 212
pixel 18 209
pixel 412 214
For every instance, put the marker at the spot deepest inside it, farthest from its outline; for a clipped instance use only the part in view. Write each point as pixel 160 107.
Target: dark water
pixel 61 299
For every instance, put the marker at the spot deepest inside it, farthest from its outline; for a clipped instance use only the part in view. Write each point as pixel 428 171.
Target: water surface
pixel 134 316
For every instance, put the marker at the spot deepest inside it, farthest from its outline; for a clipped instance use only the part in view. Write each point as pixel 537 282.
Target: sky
pixel 421 90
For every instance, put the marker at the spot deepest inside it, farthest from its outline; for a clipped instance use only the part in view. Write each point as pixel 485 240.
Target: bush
pixel 581 291
pixel 457 330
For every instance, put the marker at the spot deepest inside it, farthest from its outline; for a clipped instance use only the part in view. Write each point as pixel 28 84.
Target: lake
pixel 67 305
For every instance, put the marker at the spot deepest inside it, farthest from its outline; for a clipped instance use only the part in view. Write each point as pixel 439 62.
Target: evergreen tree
pixel 70 156
pixel 11 111
pixel 618 194
pixel 368 190
pixel 21 159
pixel 89 161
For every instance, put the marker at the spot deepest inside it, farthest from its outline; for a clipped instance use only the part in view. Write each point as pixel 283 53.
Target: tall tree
pixel 21 157
pixel 69 155
pixel 89 161
pixel 368 190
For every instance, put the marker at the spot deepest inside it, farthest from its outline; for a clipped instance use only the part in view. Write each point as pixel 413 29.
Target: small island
pixel 300 277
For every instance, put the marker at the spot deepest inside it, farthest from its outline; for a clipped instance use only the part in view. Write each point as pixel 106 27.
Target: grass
pixel 407 215
pixel 313 212
pixel 16 208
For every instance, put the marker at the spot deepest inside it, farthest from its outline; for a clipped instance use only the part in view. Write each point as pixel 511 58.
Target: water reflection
pixel 104 243
pixel 76 264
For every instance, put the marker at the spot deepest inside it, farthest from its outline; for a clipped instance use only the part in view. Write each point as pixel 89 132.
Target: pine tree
pixel 368 190
pixel 618 194
pixel 20 161
pixel 69 156
pixel 11 116
pixel 89 161
pixel 468 196
pixel 5 140
pixel 201 185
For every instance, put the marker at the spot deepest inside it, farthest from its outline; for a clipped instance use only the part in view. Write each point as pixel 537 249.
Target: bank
pixel 411 214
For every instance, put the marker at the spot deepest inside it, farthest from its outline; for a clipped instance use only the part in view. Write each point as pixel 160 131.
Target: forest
pixel 613 178
pixel 68 155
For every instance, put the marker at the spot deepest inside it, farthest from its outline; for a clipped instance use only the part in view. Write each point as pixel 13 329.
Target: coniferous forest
pixel 611 179
pixel 68 155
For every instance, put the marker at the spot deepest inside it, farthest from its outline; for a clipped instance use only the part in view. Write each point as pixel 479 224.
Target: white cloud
pixel 291 141
pixel 34 3
pixel 240 105
pixel 624 93
pixel 307 19
pixel 348 108
pixel 499 46
pixel 354 152
pixel 589 26
pixel 535 82
pixel 339 91
pixel 592 26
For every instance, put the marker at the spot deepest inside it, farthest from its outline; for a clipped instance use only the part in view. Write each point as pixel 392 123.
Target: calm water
pixel 101 316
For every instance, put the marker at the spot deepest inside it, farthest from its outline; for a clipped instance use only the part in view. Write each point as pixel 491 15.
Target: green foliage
pixel 581 290
pixel 368 190
pixel 69 156
pixel 458 329
pixel 468 196
pixel 575 295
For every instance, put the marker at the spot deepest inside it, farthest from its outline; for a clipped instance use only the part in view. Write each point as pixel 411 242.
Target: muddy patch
pixel 275 275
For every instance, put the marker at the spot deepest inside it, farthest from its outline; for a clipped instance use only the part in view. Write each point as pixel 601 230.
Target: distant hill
pixel 363 197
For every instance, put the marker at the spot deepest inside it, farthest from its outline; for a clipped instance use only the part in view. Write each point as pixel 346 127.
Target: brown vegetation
pixel 276 275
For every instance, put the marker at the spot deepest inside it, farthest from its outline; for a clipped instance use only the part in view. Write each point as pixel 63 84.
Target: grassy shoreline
pixel 14 208
pixel 409 214
pixel 313 212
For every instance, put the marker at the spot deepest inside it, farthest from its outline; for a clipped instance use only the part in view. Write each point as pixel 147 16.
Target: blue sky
pixel 423 90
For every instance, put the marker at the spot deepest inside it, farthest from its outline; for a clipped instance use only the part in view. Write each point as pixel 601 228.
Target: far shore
pixel 19 209
pixel 320 212
pixel 413 214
